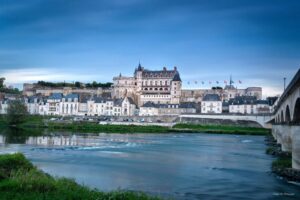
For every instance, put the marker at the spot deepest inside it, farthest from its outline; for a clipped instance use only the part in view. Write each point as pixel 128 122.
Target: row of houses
pixel 212 103
pixel 74 104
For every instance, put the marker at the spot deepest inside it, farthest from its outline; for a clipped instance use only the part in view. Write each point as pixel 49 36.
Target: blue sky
pixel 256 41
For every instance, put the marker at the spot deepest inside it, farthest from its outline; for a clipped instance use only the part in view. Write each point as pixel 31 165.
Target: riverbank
pixel 39 122
pixel 282 166
pixel 19 179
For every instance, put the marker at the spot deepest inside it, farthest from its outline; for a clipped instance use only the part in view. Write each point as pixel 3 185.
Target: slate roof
pixel 243 100
pixel 262 102
pixel 71 96
pixel 101 100
pixel 56 96
pixel 149 104
pixel 33 98
pixel 118 102
pixel 187 105
pixel 130 100
pixel 176 77
pixel 211 97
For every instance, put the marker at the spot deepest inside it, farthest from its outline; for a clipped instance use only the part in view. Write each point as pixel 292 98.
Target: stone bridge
pixel 286 120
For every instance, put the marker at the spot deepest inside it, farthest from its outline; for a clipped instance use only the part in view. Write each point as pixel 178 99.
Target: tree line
pixel 5 89
pixel 76 84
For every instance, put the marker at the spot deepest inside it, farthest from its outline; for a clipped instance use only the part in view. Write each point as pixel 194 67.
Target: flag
pixel 202 82
pixel 231 81
pixel 217 82
pixel 209 82
pixel 240 82
pixel 188 82
pixel 225 82
pixel 196 82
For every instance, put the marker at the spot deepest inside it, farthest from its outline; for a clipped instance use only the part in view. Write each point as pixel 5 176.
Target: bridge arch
pixel 287 114
pixel 296 117
pixel 282 117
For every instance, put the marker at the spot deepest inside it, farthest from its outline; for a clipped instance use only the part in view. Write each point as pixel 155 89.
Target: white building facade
pixel 211 103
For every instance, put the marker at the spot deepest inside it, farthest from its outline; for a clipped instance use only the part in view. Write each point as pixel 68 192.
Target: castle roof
pixel 177 77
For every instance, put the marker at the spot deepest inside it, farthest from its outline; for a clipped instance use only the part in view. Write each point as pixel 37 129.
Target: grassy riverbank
pixel 39 122
pixel 19 179
pixel 222 129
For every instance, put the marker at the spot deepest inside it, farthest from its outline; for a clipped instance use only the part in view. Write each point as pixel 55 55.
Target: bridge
pixel 286 120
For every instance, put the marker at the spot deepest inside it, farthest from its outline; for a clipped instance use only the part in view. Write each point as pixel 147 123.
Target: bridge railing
pixel 292 85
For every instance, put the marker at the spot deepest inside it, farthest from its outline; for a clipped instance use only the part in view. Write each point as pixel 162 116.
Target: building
pixel 3 106
pixel 211 103
pixel 53 105
pixel 226 93
pixel 98 106
pixel 263 107
pixel 69 105
pixel 34 104
pixel 160 87
pixel 243 105
pixel 152 109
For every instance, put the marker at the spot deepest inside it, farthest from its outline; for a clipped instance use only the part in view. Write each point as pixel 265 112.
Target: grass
pixel 34 122
pixel 222 129
pixel 19 179
pixel 282 163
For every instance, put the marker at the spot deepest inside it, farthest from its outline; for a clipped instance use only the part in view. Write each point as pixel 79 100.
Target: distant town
pixel 146 93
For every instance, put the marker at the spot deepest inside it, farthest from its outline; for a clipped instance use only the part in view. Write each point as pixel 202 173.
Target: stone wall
pixel 209 121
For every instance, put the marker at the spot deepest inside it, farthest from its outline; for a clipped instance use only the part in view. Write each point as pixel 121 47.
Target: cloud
pixel 20 76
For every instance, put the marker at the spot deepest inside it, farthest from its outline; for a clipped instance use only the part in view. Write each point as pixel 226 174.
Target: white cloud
pixel 20 76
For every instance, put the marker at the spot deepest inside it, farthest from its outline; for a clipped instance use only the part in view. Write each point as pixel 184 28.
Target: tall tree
pixel 2 82
pixel 16 112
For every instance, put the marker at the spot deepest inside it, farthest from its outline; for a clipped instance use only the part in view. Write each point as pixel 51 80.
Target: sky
pixel 255 41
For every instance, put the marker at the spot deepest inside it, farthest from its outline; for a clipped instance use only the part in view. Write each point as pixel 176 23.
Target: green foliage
pixel 282 163
pixel 10 90
pixel 24 181
pixel 217 88
pixel 222 129
pixel 77 84
pixel 2 82
pixel 13 162
pixel 16 112
pixel 92 127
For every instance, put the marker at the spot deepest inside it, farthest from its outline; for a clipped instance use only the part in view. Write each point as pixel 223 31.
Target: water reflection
pixel 177 166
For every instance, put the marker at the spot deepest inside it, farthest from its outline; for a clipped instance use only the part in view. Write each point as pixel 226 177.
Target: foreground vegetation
pixel 19 179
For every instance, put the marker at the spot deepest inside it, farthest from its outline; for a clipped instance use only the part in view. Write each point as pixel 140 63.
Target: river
pixel 178 166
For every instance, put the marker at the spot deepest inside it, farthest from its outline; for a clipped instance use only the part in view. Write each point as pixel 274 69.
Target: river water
pixel 177 166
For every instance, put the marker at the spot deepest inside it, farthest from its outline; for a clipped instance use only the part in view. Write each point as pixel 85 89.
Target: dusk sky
pixel 255 41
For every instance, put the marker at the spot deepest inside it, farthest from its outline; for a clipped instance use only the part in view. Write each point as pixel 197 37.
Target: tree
pixel 2 82
pixel 16 112
pixel 77 84
pixel 94 84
